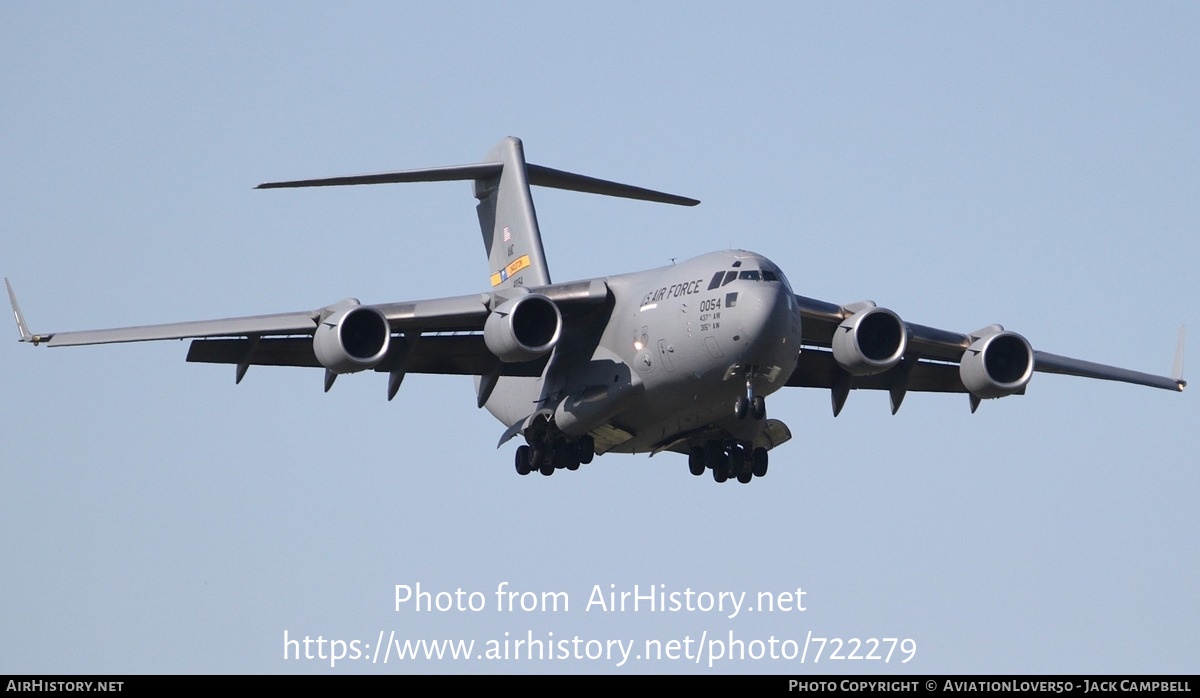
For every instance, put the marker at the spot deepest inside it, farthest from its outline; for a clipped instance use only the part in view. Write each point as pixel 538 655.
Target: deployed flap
pixel 817 369
pixel 440 354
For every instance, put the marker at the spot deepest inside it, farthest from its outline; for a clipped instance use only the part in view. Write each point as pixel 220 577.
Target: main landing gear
pixel 546 457
pixel 728 460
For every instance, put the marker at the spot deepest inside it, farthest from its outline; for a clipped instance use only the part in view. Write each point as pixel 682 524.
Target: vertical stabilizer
pixel 506 215
pixel 508 221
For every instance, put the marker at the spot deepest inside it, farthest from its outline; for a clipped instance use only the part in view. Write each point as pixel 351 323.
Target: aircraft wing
pixel 912 357
pixel 438 335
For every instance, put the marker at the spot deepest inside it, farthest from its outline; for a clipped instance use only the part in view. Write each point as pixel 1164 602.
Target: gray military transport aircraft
pixel 679 358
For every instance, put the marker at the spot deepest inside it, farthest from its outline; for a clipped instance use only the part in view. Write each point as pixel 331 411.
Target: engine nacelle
pixel 352 339
pixel 523 328
pixel 870 341
pixel 997 365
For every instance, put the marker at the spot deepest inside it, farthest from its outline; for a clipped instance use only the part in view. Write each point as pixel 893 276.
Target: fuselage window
pixel 751 275
pixel 716 280
pixel 729 276
pixel 769 276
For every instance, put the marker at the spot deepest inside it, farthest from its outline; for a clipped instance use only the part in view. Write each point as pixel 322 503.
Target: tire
pixel 522 459
pixel 759 462
pixel 586 448
pixel 741 407
pixel 737 461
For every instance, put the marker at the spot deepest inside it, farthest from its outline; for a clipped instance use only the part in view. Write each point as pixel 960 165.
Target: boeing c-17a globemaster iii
pixel 680 358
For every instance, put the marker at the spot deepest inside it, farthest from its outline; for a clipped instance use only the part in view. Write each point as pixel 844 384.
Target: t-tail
pixel 507 218
pixel 508 222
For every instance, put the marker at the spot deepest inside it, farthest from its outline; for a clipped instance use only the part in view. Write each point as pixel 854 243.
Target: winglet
pixel 26 335
pixel 1176 369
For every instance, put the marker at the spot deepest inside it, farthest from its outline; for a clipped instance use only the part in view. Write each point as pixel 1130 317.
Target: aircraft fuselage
pixel 679 345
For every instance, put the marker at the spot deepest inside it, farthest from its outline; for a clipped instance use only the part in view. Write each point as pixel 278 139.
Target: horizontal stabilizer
pixel 429 174
pixel 558 179
pixel 537 175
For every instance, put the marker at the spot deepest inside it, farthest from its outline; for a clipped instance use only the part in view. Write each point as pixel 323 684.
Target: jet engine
pixel 870 341
pixel 523 328
pixel 352 339
pixel 996 365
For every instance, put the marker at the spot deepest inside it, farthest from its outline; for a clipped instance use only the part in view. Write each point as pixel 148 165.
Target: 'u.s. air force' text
pixel 685 288
pixel 654 598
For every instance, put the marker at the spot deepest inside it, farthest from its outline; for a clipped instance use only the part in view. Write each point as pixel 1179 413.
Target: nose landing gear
pixel 750 404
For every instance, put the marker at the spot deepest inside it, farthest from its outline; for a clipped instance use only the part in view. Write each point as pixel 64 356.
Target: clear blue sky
pixel 1032 164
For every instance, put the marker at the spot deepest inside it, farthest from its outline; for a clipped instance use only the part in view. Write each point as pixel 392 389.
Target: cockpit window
pixel 772 275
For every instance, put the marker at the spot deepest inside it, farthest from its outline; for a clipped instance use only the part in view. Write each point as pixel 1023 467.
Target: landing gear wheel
pixel 737 461
pixel 696 461
pixel 547 467
pixel 758 461
pixel 713 453
pixel 586 449
pixel 523 460
pixel 741 407
pixel 758 407
pixel 719 473
pixel 744 477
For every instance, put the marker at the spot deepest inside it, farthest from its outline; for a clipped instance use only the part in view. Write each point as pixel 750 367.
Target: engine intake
pixel 997 365
pixel 523 328
pixel 870 341
pixel 352 339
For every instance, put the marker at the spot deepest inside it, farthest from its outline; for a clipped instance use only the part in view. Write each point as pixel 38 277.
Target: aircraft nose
pixel 766 318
